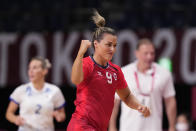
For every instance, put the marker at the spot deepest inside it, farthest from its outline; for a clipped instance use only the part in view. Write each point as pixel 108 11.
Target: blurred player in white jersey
pixel 38 101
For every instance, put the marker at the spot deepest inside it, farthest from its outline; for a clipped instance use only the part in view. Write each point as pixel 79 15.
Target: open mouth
pixel 110 54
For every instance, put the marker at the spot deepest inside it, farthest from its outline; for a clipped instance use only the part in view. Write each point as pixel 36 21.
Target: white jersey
pixel 36 106
pixel 149 88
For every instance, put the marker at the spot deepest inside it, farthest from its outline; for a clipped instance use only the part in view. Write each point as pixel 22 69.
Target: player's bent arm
pixel 131 101
pixel 77 68
pixel 77 71
pixel 59 115
pixel 127 97
pixel 113 119
pixel 10 113
pixel 170 105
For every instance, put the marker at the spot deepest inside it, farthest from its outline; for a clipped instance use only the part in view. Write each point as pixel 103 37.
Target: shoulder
pixel 161 70
pixel 52 87
pixel 114 66
pixel 23 87
pixel 87 61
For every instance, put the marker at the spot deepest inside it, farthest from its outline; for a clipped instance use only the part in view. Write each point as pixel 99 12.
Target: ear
pixel 95 43
pixel 136 54
pixel 45 72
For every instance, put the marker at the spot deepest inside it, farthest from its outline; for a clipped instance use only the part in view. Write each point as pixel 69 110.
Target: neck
pixel 38 84
pixel 99 60
pixel 142 67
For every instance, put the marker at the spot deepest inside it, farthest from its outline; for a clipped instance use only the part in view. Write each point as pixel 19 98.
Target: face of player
pixel 106 47
pixel 36 72
pixel 146 55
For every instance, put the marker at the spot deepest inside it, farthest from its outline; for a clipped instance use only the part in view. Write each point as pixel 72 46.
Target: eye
pixel 109 44
pixel 115 45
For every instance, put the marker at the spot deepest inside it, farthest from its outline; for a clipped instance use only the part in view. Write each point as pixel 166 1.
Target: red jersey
pixel 95 94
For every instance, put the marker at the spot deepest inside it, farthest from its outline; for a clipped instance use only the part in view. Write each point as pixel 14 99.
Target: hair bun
pixel 48 64
pixel 98 19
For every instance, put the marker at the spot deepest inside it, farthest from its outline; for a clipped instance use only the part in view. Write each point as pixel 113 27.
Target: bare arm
pixel 77 71
pixel 112 124
pixel 129 99
pixel 10 114
pixel 59 115
pixel 170 105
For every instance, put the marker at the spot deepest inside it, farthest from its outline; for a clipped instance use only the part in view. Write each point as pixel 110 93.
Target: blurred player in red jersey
pixel 97 80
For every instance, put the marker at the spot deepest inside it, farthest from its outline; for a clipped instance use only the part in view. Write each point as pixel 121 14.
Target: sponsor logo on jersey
pixel 115 76
pixel 99 73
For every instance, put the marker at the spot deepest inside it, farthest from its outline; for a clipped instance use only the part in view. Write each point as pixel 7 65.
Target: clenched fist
pixel 144 110
pixel 85 44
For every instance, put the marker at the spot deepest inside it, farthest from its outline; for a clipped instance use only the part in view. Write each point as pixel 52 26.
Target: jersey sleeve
pixel 169 88
pixel 59 100
pixel 16 95
pixel 121 80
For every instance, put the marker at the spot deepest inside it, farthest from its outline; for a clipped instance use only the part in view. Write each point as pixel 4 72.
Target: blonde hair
pixel 101 29
pixel 45 62
pixel 98 19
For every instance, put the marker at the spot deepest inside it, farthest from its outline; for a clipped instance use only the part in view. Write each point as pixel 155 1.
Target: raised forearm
pixel 77 68
pixel 77 71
